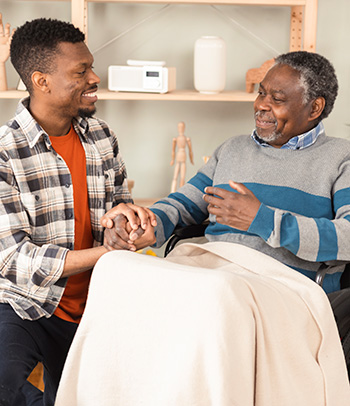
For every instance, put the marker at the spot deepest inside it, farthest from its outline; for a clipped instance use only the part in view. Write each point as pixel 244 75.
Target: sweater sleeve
pixel 186 206
pixel 311 239
pixel 182 208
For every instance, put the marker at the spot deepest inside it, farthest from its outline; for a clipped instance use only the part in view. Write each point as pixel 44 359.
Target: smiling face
pixel 73 84
pixel 280 109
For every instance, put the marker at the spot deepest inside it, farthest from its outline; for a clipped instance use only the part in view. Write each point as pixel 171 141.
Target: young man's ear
pixel 39 81
pixel 317 107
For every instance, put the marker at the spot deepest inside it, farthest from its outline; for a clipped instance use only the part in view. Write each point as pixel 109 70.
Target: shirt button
pixel 67 185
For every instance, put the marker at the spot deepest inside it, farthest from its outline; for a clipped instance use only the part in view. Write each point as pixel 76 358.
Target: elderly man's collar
pixel 298 142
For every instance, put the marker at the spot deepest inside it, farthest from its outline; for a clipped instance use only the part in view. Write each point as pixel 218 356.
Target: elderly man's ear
pixel 317 107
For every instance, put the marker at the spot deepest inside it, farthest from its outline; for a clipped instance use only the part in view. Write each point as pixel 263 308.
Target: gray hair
pixel 317 76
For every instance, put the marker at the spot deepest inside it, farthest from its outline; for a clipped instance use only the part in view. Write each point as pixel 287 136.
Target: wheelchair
pixel 339 300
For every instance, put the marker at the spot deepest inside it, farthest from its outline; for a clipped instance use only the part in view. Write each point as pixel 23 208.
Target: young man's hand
pixel 128 226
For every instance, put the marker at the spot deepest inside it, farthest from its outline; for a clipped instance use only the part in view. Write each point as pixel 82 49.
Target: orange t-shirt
pixel 73 301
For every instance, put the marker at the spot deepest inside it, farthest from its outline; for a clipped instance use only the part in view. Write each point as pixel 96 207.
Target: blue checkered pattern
pixel 298 142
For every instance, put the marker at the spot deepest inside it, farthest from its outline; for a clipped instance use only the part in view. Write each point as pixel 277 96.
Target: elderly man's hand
pixel 123 236
pixel 128 226
pixel 236 210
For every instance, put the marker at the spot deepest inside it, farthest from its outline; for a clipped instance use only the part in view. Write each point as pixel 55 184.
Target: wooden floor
pixel 36 377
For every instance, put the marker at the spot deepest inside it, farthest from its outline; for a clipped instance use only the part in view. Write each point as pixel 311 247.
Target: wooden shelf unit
pixel 303 15
pixel 302 36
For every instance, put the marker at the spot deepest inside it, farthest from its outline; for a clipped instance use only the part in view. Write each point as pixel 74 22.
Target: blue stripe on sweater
pixel 290 238
pixel 328 245
pixel 290 199
pixel 168 226
pixel 341 198
pixel 195 212
pixel 200 181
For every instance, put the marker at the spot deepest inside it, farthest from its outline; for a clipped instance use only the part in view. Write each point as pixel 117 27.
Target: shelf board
pixel 13 94
pixel 176 95
pixel 228 2
pixel 179 95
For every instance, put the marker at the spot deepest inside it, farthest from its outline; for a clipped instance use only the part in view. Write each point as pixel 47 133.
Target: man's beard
pixel 86 113
pixel 273 136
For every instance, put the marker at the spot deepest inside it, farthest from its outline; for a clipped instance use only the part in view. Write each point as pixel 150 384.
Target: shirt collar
pixel 33 130
pixel 298 142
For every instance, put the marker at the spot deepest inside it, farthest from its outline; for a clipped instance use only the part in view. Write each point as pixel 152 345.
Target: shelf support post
pixel 79 15
pixel 296 28
pixel 310 25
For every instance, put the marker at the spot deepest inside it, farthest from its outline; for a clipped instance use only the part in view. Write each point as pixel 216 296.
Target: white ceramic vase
pixel 210 64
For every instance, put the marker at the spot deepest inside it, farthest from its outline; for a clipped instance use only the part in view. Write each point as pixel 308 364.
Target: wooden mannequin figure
pixel 180 143
pixel 5 40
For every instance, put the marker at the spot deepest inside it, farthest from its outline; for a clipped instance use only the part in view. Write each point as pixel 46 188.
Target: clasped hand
pixel 128 227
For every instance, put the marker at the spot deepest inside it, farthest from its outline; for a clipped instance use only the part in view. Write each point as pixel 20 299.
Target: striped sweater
pixel 304 216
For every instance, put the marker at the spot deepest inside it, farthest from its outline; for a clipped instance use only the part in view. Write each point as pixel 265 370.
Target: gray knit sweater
pixel 304 217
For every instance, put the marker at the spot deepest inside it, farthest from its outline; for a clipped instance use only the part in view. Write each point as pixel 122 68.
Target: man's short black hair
pixel 317 76
pixel 35 44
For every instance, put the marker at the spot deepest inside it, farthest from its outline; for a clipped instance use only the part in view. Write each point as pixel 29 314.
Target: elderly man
pixel 61 170
pixel 284 191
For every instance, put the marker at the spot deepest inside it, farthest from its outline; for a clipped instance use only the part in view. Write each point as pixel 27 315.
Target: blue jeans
pixel 22 344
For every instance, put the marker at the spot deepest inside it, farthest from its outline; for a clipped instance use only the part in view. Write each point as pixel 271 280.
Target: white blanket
pixel 216 324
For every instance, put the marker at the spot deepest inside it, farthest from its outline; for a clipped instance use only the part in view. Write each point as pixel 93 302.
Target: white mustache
pixel 263 116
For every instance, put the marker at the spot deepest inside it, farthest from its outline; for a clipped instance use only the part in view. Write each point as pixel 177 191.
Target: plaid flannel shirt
pixel 36 207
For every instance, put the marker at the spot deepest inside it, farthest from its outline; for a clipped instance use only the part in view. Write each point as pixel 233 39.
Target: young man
pixel 284 191
pixel 60 170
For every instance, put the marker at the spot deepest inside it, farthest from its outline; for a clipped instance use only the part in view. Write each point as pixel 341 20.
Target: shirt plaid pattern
pixel 299 142
pixel 36 207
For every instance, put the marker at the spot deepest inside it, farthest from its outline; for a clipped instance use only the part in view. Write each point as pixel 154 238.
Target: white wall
pixel 146 128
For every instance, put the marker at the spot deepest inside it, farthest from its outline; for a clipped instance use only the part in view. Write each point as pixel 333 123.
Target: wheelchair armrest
pixel 181 233
pixel 344 281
